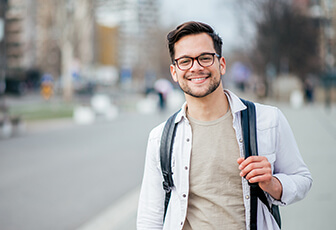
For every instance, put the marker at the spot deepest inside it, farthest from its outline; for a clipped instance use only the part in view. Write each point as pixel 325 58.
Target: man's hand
pixel 257 169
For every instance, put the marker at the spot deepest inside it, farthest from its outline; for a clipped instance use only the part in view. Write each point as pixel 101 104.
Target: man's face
pixel 197 81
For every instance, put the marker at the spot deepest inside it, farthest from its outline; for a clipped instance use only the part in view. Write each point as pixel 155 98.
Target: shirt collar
pixel 182 113
pixel 236 105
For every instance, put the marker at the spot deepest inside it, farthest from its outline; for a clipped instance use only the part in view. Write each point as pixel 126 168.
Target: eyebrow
pixel 184 56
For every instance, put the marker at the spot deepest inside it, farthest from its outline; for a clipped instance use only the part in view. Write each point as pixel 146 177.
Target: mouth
pixel 198 79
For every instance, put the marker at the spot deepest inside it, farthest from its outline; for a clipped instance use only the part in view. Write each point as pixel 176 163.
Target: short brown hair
pixel 189 28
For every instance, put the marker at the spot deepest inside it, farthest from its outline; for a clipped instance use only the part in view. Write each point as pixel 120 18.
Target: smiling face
pixel 198 81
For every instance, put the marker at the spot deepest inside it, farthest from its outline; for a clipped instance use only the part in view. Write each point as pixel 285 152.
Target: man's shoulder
pixel 267 115
pixel 156 132
pixel 264 108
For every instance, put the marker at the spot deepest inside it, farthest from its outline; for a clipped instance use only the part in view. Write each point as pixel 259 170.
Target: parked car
pixel 18 81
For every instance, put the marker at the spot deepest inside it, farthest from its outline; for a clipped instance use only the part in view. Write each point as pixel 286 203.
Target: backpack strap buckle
pixel 166 186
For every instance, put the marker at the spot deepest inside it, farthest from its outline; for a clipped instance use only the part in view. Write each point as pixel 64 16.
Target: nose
pixel 196 66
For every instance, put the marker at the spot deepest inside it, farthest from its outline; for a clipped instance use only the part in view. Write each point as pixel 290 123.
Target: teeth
pixel 198 79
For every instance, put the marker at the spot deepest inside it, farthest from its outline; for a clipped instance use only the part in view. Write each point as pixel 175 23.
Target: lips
pixel 198 79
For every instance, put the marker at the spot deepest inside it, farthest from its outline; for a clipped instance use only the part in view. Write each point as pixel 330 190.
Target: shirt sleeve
pixel 289 166
pixel 151 200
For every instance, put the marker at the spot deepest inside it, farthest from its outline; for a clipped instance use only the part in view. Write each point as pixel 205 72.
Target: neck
pixel 208 108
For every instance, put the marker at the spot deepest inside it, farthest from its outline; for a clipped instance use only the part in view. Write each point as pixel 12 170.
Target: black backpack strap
pixel 167 141
pixel 248 128
pixel 248 122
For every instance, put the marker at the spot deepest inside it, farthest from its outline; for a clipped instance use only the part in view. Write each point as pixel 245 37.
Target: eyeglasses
pixel 204 60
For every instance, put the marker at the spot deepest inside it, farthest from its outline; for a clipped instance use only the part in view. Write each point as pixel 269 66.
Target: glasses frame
pixel 196 58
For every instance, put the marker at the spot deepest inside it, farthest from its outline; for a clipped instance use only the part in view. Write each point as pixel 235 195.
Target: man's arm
pixel 151 200
pixel 291 180
pixel 289 167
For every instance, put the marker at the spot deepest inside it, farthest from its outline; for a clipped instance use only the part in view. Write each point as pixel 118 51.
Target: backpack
pixel 248 122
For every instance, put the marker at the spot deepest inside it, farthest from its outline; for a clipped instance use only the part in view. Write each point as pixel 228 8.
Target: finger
pixel 240 160
pixel 249 168
pixel 261 179
pixel 255 169
pixel 252 159
pixel 249 160
pixel 260 174
pixel 246 168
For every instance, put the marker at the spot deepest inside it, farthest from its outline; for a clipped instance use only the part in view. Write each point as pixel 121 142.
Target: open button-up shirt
pixel 275 141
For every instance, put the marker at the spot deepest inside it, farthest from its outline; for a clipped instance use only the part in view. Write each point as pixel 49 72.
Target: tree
pixel 287 39
pixel 74 25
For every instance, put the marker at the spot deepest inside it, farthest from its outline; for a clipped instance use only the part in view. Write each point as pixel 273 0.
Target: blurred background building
pixel 136 23
pixel 46 37
pixel 62 37
pixel 84 43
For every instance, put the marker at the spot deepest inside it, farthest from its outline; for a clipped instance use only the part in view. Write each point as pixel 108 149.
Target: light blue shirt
pixel 275 141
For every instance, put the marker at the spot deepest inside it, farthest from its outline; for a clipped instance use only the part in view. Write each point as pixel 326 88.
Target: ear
pixel 222 63
pixel 173 72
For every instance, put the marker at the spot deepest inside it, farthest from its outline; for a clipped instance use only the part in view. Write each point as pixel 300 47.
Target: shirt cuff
pixel 288 190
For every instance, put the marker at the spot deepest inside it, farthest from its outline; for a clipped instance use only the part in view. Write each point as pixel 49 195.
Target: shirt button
pixel 181 222
pixel 240 140
pixel 186 167
pixel 247 197
pixel 188 139
pixel 184 195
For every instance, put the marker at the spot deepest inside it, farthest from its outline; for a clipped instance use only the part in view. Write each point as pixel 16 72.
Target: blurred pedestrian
pixel 47 86
pixel 210 174
pixel 309 90
pixel 163 87
pixel 241 75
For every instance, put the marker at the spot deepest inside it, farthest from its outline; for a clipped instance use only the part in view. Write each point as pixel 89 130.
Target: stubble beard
pixel 211 88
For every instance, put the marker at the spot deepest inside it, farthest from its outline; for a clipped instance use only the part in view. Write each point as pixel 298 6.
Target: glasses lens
pixel 206 59
pixel 184 63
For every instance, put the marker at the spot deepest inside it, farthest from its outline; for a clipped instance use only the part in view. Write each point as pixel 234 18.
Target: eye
pixel 205 58
pixel 184 61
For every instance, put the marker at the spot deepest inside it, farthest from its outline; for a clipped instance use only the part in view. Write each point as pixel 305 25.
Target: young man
pixel 210 174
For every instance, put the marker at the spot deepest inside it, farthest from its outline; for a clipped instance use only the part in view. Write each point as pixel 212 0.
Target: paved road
pixel 315 132
pixel 61 175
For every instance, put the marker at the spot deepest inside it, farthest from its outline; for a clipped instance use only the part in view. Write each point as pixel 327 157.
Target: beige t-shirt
pixel 215 188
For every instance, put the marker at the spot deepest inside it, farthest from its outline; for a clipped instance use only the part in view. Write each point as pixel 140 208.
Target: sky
pixel 225 16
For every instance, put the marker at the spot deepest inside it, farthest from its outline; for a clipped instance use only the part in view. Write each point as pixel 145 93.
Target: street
pixel 61 178
pixel 67 178
pixel 314 128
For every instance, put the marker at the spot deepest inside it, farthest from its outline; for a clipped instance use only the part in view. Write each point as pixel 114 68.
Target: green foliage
pixel 43 111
